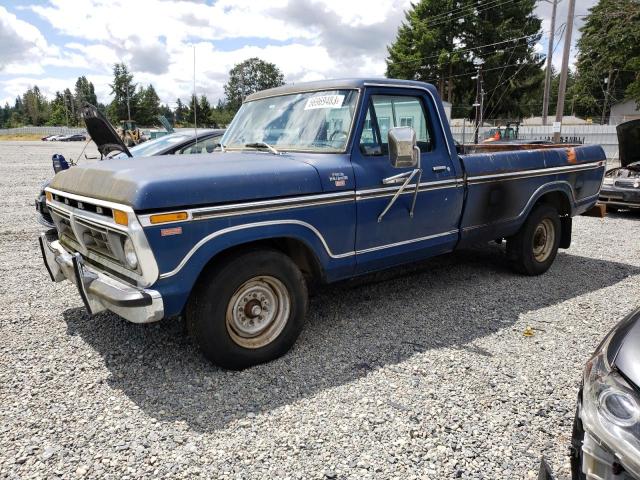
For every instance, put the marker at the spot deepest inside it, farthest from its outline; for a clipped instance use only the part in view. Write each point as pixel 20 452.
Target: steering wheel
pixel 344 134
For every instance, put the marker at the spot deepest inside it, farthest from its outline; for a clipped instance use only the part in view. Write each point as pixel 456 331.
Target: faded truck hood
pixel 168 181
pixel 629 142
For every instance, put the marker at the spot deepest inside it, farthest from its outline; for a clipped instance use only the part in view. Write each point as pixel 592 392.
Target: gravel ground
pixel 419 373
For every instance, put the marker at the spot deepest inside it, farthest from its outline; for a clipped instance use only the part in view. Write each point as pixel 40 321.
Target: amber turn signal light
pixel 49 196
pixel 168 217
pixel 120 217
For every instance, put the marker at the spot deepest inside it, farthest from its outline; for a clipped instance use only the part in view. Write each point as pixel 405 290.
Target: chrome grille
pixel 100 243
pixel 87 206
pixel 86 226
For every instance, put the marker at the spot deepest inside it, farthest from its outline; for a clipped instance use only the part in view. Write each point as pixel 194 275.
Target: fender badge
pixel 165 232
pixel 338 178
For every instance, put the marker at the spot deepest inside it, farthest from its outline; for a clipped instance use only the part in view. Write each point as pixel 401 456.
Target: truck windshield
pixel 308 121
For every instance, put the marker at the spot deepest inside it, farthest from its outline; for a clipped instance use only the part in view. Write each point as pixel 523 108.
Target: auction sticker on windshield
pixel 324 101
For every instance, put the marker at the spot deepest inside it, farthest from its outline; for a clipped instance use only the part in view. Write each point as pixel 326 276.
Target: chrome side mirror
pixel 403 150
pixel 403 153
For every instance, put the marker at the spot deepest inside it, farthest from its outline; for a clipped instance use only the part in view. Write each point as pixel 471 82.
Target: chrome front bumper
pixel 98 291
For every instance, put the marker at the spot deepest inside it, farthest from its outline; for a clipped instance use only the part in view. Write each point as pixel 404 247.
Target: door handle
pixel 440 168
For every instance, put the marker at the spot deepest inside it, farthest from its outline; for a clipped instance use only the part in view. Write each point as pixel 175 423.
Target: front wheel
pixel 249 309
pixel 533 249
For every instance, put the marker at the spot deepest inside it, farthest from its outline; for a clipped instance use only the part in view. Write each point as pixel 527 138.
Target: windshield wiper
pixel 262 145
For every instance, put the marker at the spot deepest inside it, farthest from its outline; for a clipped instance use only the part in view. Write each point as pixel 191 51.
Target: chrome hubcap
pixel 258 312
pixel 544 238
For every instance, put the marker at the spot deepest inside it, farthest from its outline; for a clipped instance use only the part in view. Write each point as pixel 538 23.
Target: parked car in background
pixel 76 137
pixel 315 182
pixel 606 431
pixel 621 186
pixel 182 142
pixel 46 138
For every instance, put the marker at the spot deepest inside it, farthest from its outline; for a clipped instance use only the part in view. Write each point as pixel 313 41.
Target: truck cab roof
pixel 337 84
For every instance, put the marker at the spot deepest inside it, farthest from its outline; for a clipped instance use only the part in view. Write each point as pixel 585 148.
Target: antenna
pixel 195 98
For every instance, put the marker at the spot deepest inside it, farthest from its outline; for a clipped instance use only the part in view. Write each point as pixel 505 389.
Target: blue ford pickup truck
pixel 314 182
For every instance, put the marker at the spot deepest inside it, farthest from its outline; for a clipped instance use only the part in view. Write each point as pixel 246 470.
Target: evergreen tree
pixel 192 108
pixel 70 106
pixel 425 47
pixel 220 116
pixel 440 39
pixel 16 118
pixel 249 77
pixel 181 113
pixel 121 89
pixel 204 111
pixel 5 115
pixel 35 106
pixel 84 92
pixel 166 111
pixel 58 114
pixel 608 62
pixel 148 106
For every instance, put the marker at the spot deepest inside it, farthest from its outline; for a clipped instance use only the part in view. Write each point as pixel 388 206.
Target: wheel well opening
pixel 559 200
pixel 298 251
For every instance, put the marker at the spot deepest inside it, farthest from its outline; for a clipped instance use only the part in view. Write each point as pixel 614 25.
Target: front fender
pixel 176 284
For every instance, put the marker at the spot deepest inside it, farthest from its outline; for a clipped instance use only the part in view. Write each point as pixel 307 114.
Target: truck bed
pixel 502 180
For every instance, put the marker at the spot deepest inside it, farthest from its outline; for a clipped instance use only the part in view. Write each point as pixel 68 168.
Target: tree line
pixel 141 103
pixel 443 41
pixel 440 42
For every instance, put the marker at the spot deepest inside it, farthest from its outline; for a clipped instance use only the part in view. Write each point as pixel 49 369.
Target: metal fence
pixel 604 135
pixel 42 131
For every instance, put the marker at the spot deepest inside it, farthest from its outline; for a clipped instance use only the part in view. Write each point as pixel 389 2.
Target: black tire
pixel 524 250
pixel 215 325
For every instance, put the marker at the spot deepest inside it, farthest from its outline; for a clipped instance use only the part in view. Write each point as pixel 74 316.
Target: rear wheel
pixel 249 309
pixel 533 249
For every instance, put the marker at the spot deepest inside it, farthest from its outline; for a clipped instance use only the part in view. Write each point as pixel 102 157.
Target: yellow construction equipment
pixel 130 133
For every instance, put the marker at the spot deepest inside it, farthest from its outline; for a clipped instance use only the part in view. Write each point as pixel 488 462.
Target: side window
pixel 398 111
pixel 203 146
pixel 369 140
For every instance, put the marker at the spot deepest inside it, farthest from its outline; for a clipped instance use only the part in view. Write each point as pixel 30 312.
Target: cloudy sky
pixel 51 42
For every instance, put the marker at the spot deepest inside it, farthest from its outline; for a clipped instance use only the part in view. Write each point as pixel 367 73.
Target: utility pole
pixel 547 78
pixel 606 96
pixel 128 109
pixel 564 72
pixel 479 100
pixel 195 98
pixel 66 110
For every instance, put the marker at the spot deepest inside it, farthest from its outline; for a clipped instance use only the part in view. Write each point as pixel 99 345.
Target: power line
pixel 461 9
pixel 475 12
pixel 466 74
pixel 516 73
pixel 567 101
pixel 469 49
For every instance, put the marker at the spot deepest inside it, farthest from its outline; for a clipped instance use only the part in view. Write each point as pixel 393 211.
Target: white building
pixel 623 112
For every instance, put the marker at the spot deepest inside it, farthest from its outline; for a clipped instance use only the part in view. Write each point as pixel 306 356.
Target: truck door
pixel 397 237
